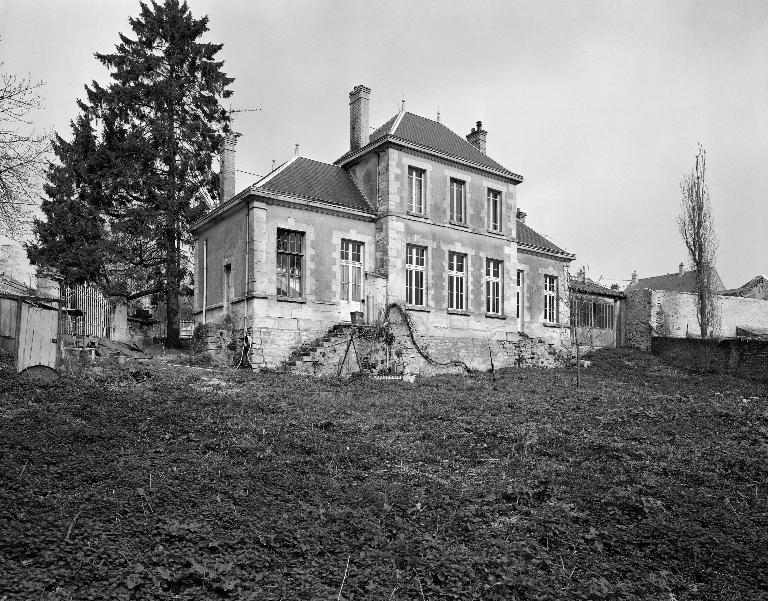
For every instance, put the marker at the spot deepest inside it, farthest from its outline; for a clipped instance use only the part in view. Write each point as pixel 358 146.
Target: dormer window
pixel 416 180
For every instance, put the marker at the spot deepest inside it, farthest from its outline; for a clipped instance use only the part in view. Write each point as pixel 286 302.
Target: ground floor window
pixel 351 270
pixel 290 263
pixel 519 292
pixel 415 270
pixel 592 314
pixel 457 281
pixel 494 271
pixel 550 299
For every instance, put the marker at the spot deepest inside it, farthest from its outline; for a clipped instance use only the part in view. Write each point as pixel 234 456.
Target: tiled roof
pixel 673 282
pixel 432 135
pixel 318 181
pixel 757 287
pixel 590 287
pixel 527 237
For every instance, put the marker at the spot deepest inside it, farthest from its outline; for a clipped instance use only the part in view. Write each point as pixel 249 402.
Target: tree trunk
pixel 173 285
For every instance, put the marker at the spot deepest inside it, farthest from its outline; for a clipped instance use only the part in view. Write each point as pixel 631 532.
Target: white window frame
pixel 415 173
pixel 351 266
pixel 457 281
pixel 457 216
pixel 494 286
pixel 415 275
pixel 550 299
pixel 494 202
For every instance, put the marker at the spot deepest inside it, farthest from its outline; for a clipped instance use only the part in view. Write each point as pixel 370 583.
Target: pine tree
pixel 139 167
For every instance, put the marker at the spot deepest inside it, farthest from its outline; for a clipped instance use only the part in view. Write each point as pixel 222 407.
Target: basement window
pixel 290 263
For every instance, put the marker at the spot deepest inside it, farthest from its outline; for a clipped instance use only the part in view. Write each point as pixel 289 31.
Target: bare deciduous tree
pixel 698 232
pixel 22 152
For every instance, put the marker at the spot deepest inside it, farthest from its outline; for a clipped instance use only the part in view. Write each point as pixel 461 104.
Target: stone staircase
pixel 321 357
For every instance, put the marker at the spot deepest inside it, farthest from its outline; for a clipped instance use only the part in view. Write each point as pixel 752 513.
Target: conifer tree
pixel 138 169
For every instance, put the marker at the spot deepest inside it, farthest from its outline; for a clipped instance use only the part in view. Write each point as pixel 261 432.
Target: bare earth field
pixel 158 481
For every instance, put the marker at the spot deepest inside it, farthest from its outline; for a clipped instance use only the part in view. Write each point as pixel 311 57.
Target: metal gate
pixel 96 311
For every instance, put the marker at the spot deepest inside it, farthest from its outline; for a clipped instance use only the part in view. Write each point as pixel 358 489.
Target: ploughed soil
pixel 158 481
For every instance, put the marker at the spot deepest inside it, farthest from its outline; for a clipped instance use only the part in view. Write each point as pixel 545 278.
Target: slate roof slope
pixel 314 180
pixel 435 136
pixel 590 287
pixel 673 282
pixel 528 237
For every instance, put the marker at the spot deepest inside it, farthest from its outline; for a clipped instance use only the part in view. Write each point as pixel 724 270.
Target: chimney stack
pixel 359 133
pixel 521 215
pixel 681 271
pixel 477 137
pixel 634 278
pixel 227 168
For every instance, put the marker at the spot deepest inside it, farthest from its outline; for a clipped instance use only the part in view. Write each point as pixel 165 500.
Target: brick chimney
pixel 521 215
pixel 227 168
pixel 681 270
pixel 634 278
pixel 359 133
pixel 477 137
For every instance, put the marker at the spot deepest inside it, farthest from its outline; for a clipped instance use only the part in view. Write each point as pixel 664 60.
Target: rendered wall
pixel 535 266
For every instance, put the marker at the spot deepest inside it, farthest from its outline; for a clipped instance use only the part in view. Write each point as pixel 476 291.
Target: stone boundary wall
pixel 745 357
pixel 663 313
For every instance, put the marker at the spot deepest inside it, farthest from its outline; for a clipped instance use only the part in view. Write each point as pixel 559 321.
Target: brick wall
pixel 738 356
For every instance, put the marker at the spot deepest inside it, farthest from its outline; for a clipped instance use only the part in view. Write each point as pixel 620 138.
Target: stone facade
pixel 736 356
pixel 365 199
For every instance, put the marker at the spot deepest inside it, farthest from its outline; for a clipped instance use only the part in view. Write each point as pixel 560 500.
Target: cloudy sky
pixel 599 105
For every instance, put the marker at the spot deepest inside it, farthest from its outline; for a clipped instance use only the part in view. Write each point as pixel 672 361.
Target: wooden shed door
pixel 37 337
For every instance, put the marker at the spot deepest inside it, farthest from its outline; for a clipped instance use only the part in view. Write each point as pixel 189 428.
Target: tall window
pixel 550 298
pixel 290 261
pixel 457 201
pixel 416 179
pixel 351 270
pixel 415 269
pixel 494 210
pixel 227 287
pixel 457 280
pixel 493 284
pixel 519 292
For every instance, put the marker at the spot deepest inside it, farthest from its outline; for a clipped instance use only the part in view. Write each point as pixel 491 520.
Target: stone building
pixel 412 214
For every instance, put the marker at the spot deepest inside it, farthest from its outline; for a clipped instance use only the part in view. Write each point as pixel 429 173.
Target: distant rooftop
pixel 675 282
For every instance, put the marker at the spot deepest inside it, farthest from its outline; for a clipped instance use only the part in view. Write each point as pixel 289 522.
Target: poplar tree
pixel 138 169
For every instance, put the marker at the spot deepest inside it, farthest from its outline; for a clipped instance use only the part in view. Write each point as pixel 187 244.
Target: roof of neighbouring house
pixel 528 238
pixel 673 282
pixel 432 135
pixel 590 287
pixel 749 288
pixel 14 286
pixel 313 180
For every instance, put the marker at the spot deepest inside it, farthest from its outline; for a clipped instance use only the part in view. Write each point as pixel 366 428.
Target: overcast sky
pixel 599 105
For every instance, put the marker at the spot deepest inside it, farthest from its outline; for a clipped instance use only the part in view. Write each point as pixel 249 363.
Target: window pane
pixel 356 283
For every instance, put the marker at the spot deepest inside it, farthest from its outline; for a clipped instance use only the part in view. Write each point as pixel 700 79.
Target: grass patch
pixel 161 482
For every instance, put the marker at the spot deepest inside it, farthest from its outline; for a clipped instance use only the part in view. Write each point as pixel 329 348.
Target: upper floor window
pixel 416 180
pixel 457 207
pixel 290 263
pixel 457 281
pixel 415 271
pixel 351 270
pixel 494 272
pixel 550 299
pixel 494 210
